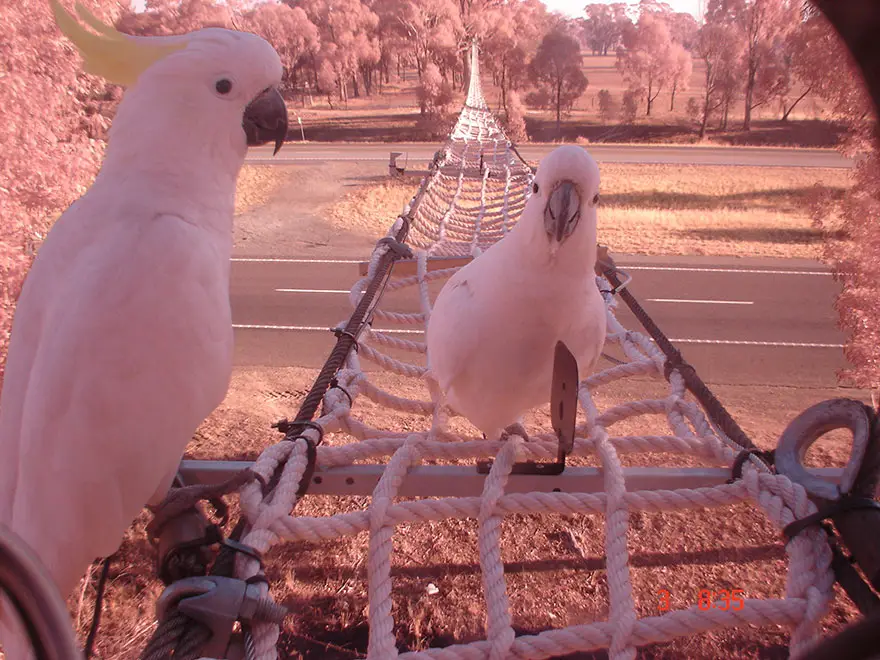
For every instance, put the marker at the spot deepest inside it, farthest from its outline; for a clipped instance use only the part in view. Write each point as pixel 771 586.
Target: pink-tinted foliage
pixel 556 70
pixel 47 157
pixel 432 29
pixel 607 106
pixel 721 51
pixel 290 31
pixel 604 26
pixel 434 92
pixel 163 17
pixel 515 119
pixel 760 25
pixel 510 34
pixel 853 245
pixel 647 58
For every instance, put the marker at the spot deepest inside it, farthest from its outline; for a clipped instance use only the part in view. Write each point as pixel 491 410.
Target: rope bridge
pixel 474 192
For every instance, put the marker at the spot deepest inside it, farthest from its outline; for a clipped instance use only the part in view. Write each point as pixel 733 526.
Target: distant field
pixel 663 209
pixel 393 115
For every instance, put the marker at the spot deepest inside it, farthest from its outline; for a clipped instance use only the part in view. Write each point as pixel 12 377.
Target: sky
pixel 575 8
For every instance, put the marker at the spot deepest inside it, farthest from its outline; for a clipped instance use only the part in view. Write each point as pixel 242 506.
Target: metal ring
pixel 26 583
pixel 807 428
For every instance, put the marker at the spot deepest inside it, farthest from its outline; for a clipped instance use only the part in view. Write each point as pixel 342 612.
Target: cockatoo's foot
pixel 515 429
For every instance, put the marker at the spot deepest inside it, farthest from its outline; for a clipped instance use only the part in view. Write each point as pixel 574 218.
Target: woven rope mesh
pixel 464 208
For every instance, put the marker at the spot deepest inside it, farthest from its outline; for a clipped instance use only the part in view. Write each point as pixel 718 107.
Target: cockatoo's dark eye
pixel 223 86
pixel 595 199
pixel 535 188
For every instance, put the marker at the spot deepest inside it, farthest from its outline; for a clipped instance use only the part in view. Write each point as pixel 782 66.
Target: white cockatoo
pixel 122 338
pixel 494 326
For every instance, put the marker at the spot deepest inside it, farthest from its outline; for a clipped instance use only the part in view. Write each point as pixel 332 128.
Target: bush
pixel 434 92
pixel 694 110
pixel 607 106
pixel 515 122
pixel 630 105
pixel 539 99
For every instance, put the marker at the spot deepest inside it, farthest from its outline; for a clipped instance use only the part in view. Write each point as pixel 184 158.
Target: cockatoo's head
pixel 217 77
pixel 567 186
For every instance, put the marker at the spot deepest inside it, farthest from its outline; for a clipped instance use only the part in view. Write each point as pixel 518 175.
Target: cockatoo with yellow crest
pixel 494 326
pixel 122 339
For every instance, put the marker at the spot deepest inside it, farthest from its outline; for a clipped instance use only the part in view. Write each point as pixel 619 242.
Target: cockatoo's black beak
pixel 265 120
pixel 563 211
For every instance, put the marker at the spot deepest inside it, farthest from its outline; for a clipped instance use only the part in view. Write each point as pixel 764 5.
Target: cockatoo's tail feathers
pixel 112 55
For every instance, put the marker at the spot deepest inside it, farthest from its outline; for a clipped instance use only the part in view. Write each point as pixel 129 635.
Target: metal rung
pixel 465 481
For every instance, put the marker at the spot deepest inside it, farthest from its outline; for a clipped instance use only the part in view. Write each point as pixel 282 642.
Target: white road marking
pixel 745 342
pixel 284 260
pixel 702 302
pixel 313 291
pixel 747 271
pixel 404 331
pixel 317 328
pixel 671 269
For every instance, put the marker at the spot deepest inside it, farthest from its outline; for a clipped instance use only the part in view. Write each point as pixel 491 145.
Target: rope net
pixel 479 185
pixel 453 219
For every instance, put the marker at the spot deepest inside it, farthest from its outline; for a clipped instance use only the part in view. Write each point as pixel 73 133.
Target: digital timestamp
pixel 707 599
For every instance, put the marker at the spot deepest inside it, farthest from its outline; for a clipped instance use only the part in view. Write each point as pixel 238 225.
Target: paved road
pixel 756 322
pixel 418 155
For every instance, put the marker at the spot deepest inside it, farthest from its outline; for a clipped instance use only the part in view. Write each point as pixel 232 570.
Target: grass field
pixel 393 116
pixel 665 209
pixel 555 565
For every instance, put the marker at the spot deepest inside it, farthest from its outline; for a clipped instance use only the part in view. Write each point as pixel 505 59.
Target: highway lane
pixel 418 155
pixel 764 322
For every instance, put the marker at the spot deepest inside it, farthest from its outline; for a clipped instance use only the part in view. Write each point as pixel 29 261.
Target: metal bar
pixel 674 360
pixel 465 481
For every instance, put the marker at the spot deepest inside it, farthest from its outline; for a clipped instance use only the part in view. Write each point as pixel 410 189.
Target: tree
pixel 854 257
pixel 290 31
pixel 721 52
pixel 434 92
pixel 682 67
pixel 48 157
pixel 761 24
pixel 604 26
pixel 348 44
pixel 515 124
pixel 432 28
pixel 509 35
pixel 164 17
pixel 647 58
pixel 631 105
pixel 556 68
pixel 683 28
pixel 607 106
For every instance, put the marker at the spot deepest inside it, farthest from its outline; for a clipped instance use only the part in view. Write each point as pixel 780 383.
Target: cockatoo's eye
pixel 595 199
pixel 535 188
pixel 223 86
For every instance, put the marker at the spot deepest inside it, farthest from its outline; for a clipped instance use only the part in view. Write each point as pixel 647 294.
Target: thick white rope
pixel 463 211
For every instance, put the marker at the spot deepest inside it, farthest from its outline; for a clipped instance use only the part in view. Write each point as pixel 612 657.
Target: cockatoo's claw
pixel 515 429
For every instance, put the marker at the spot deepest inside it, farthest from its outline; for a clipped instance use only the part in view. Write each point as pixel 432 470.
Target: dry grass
pixel 666 209
pixel 554 565
pixel 257 184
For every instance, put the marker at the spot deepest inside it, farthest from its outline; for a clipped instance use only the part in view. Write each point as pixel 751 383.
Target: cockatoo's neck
pixel 188 165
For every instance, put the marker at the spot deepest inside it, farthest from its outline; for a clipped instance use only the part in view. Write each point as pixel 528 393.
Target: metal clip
pixel 218 602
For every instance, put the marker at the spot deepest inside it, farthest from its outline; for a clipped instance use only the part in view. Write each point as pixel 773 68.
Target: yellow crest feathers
pixel 116 57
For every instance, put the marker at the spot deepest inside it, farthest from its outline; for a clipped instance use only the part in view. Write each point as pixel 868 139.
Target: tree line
pixel 754 51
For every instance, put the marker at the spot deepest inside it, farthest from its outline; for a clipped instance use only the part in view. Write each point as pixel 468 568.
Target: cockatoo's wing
pixel 452 340
pixel 586 337
pixel 135 352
